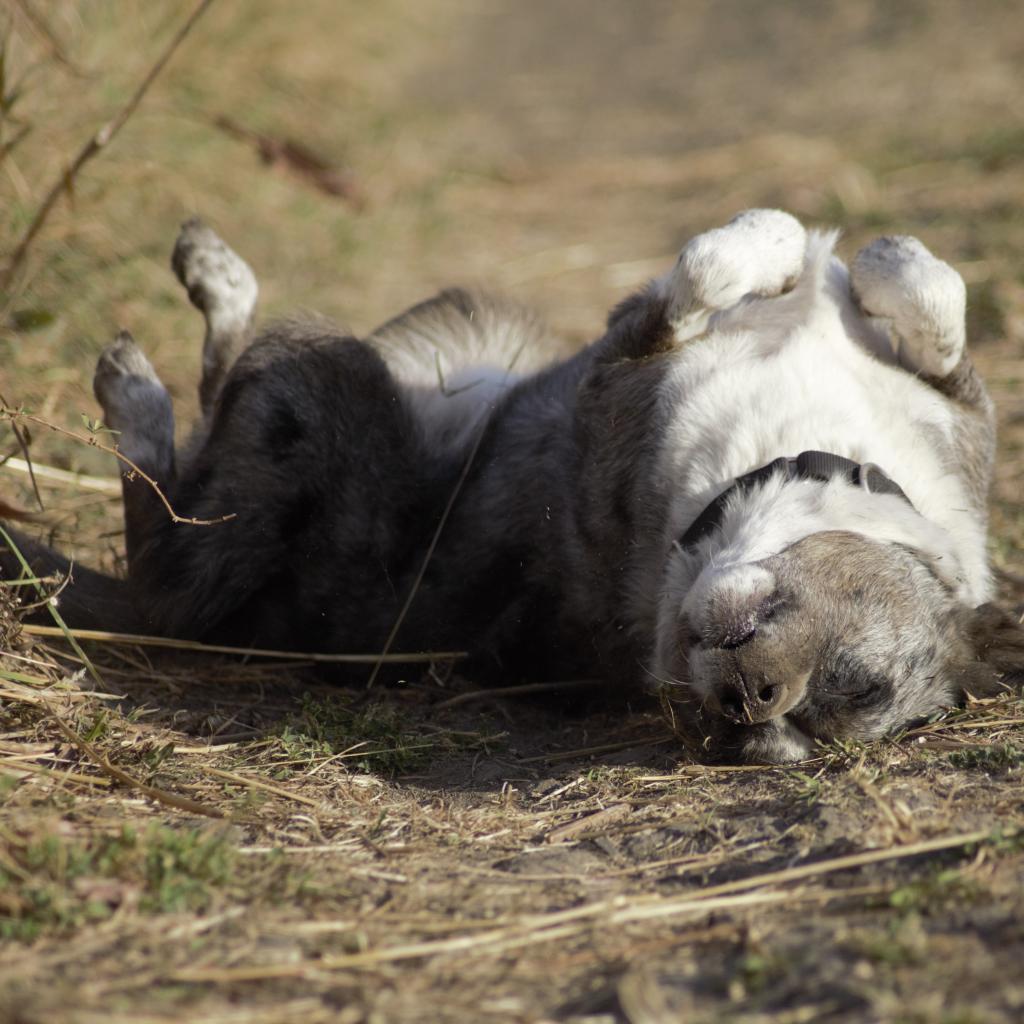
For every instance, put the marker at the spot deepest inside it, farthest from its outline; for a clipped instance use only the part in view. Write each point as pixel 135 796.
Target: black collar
pixel 806 466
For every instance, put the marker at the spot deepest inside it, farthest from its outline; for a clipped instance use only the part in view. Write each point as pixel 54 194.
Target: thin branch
pixel 23 445
pixel 8 147
pixel 40 24
pixel 18 414
pixel 101 139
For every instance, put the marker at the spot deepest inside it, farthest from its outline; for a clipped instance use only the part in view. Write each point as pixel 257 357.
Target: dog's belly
pixel 735 408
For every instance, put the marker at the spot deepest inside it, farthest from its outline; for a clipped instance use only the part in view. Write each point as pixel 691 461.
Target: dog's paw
pixel 220 284
pixel 127 387
pixel 920 299
pixel 759 252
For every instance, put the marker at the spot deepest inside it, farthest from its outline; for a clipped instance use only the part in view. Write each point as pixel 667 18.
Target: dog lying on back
pixel 763 490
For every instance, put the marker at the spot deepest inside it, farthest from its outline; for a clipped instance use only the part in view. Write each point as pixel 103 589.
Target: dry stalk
pixel 103 484
pixel 516 691
pixel 13 415
pixel 602 748
pixel 442 522
pixel 140 640
pixel 414 589
pixel 161 796
pixel 245 780
pixel 95 145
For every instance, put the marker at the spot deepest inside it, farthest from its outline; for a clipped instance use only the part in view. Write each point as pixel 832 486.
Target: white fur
pixel 759 252
pixel 918 297
pixel 802 371
pixel 455 369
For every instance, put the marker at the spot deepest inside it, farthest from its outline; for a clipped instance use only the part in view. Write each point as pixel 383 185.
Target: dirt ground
pixel 186 837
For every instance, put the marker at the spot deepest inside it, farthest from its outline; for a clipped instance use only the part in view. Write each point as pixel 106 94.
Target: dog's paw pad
pixel 219 282
pixel 125 383
pixel 759 252
pixel 920 298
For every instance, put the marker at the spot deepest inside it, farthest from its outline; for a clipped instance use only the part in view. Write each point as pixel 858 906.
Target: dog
pixel 762 492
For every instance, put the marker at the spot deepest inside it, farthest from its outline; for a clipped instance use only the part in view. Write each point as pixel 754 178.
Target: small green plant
pixel 808 787
pixel 374 735
pixel 49 883
pixel 934 891
pixel 997 757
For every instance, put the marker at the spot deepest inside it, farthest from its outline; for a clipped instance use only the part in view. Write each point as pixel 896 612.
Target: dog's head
pixel 837 636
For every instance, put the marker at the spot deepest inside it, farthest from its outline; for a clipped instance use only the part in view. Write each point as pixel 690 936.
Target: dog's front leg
pixel 758 253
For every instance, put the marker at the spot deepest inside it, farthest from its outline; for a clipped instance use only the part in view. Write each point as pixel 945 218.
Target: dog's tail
pixel 87 599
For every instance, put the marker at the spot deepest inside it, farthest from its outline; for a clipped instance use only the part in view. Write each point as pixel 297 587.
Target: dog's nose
pixel 747 702
pixel 738 626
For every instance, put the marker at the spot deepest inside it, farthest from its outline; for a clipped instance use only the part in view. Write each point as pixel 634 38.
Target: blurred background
pixel 361 155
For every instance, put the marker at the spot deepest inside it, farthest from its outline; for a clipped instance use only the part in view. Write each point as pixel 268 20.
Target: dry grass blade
pixel 516 691
pixel 601 748
pixel 23 445
pixel 62 628
pixel 141 640
pixel 15 768
pixel 245 780
pixel 161 796
pixel 96 144
pixel 542 928
pixel 42 27
pixel 103 484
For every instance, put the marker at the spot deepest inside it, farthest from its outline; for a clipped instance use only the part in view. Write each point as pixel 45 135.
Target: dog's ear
pixel 998 641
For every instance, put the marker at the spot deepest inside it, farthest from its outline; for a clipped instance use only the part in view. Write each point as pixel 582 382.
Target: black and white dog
pixel 763 490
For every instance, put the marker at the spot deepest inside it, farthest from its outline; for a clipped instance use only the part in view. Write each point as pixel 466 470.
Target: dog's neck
pixel 809 465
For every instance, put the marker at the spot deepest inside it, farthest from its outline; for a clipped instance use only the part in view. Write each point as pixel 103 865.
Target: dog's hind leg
pixel 222 286
pixel 921 302
pixel 919 299
pixel 136 405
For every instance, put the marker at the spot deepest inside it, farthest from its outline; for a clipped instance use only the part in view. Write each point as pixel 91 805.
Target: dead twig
pixel 98 142
pixel 8 147
pixel 296 157
pixel 15 414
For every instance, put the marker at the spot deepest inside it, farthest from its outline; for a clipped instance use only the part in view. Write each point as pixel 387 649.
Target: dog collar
pixel 821 466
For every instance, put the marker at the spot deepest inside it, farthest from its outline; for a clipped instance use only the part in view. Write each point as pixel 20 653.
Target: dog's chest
pixel 735 406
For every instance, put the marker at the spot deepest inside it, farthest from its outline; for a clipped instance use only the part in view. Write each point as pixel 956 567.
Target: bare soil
pixel 201 838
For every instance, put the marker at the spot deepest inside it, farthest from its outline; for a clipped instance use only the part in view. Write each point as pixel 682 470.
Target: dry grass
pixel 193 836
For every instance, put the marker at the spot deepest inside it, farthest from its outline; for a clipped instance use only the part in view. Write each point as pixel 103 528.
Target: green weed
pixel 933 892
pixel 49 883
pixel 373 737
pixel 997 757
